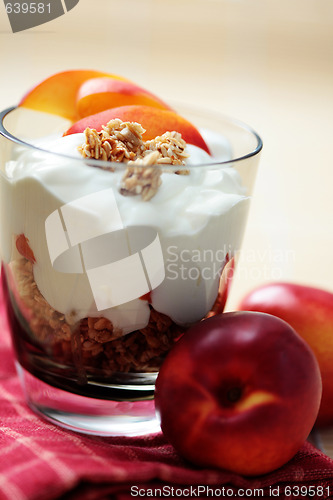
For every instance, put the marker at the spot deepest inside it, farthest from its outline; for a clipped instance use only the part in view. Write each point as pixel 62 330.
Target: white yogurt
pixel 197 217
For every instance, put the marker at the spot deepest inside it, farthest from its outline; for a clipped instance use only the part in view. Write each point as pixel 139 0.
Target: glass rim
pixel 105 165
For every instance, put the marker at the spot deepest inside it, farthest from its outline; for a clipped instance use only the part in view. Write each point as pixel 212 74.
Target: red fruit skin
pixel 196 393
pixel 310 312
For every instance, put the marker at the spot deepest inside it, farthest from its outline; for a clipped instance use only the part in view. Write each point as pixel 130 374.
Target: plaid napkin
pixel 39 461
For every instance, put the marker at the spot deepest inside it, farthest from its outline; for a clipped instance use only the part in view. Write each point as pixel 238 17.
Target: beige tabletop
pixel 268 63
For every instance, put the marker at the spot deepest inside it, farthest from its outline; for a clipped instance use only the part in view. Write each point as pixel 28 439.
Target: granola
pixel 117 142
pixel 101 348
pixel 144 181
pixel 93 342
pixel 120 141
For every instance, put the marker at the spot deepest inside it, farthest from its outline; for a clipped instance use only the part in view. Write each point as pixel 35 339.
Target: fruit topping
pixel 155 122
pixel 98 94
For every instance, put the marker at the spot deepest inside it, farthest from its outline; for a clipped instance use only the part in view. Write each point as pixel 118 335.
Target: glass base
pixel 88 415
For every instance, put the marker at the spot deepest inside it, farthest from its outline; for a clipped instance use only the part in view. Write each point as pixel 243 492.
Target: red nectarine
pixel 310 312
pixel 239 391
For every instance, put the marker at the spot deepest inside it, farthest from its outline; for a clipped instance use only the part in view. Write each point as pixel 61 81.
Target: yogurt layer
pixel 195 219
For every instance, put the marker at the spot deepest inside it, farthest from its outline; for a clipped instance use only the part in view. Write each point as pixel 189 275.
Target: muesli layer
pixel 101 347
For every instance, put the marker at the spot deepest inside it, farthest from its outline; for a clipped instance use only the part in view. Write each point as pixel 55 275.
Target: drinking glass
pixel 98 285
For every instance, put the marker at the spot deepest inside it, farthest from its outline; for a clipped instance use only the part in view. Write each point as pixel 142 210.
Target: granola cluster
pixel 120 141
pixel 117 142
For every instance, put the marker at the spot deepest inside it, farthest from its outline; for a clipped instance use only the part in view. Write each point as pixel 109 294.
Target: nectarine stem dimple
pixel 230 393
pixel 234 394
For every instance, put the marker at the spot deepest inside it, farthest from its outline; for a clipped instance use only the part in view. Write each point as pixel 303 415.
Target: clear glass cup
pixel 99 285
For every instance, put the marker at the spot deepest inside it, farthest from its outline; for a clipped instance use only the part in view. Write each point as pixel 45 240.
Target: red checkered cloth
pixel 39 461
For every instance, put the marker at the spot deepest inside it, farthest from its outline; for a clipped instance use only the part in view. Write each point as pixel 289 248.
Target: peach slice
pixel 23 247
pixel 99 94
pixel 57 94
pixel 155 121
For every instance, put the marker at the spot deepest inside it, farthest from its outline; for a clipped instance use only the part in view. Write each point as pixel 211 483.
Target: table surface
pixel 269 64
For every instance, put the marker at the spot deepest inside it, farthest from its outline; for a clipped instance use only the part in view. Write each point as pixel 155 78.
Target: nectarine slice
pixel 99 94
pixel 23 247
pixel 57 94
pixel 155 121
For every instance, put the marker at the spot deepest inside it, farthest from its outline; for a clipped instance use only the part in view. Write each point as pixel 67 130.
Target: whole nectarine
pixel 309 311
pixel 239 391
